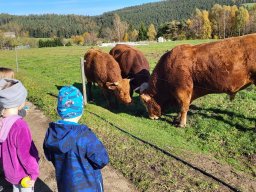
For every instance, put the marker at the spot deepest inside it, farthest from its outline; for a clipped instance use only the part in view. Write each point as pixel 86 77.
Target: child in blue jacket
pixel 76 153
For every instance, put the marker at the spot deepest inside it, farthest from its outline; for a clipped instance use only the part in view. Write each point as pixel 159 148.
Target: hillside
pixel 49 25
pixel 161 12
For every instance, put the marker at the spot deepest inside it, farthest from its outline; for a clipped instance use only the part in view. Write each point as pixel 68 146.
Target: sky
pixel 78 7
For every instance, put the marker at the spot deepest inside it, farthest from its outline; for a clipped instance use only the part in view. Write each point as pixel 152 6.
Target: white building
pixel 161 39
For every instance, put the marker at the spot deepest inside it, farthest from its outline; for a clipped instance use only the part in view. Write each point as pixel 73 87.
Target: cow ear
pixel 145 97
pixel 112 86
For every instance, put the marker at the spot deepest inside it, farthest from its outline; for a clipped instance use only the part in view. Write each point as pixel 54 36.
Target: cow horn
pixel 143 87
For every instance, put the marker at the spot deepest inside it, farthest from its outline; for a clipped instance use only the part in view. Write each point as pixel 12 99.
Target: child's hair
pixel 12 93
pixel 8 84
pixel 6 73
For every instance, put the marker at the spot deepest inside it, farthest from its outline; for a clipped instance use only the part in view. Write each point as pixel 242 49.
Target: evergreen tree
pixel 142 36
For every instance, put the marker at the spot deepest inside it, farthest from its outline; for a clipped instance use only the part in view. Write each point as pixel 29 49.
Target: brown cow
pixel 101 68
pixel 188 72
pixel 133 65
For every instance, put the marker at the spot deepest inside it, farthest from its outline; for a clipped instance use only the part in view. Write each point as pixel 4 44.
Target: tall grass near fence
pixel 217 128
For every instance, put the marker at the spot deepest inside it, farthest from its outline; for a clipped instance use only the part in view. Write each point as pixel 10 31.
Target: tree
pixel 242 19
pixel 142 36
pixel 252 20
pixel 206 28
pixel 106 33
pixel 133 35
pixel 126 37
pixel 173 30
pixel 89 38
pixel 234 9
pixel 78 39
pixel 201 25
pixel 216 20
pixel 120 28
pixel 151 32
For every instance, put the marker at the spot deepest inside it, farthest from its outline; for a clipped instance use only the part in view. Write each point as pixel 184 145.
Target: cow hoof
pixel 182 125
pixel 92 101
pixel 154 117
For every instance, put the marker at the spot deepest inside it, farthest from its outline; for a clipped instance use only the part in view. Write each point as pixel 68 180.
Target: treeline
pixel 163 11
pixel 219 22
pixel 52 25
pixel 48 25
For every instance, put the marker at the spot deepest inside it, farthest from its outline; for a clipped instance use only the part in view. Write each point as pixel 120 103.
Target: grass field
pixel 219 131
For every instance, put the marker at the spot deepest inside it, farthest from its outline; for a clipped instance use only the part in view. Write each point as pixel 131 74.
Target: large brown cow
pixel 101 68
pixel 133 65
pixel 188 72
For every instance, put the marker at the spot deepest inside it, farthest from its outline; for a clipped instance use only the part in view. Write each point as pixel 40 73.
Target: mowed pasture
pixel 220 136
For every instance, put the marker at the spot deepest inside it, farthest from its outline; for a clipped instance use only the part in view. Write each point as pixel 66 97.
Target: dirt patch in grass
pixel 237 179
pixel 151 170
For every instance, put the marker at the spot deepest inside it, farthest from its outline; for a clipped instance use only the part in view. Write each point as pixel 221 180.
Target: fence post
pixel 83 79
pixel 16 57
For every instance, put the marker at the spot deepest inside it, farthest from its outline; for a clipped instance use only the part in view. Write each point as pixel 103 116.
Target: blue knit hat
pixel 70 102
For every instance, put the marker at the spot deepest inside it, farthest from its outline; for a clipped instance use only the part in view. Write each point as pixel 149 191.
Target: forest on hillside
pixel 171 19
pixel 50 25
pixel 161 12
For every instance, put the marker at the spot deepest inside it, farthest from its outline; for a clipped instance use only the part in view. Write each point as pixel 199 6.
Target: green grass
pixel 217 128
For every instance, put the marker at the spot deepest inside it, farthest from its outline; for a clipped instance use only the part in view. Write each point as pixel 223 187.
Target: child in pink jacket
pixel 18 154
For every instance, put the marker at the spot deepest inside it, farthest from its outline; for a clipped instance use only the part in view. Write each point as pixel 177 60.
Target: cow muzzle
pixel 154 117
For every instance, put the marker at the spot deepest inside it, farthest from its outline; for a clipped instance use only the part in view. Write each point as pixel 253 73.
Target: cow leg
pixel 89 87
pixel 232 96
pixel 111 100
pixel 184 99
pixel 106 96
pixel 177 119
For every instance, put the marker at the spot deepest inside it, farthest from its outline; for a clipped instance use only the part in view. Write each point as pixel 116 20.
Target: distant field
pixel 219 132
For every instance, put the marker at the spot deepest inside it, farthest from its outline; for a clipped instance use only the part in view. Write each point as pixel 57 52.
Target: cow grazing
pixel 188 72
pixel 133 65
pixel 101 68
pixel 6 73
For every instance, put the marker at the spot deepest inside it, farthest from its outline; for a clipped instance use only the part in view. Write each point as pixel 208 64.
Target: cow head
pixel 154 109
pixel 121 90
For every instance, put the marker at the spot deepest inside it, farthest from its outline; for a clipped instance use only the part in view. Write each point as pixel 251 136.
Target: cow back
pixel 224 66
pixel 100 67
pixel 130 60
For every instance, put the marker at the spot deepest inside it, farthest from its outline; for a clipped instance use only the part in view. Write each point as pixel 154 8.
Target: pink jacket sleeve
pixel 27 152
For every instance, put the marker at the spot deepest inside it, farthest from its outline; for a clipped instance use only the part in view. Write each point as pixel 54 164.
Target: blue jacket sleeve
pixel 47 153
pixel 96 152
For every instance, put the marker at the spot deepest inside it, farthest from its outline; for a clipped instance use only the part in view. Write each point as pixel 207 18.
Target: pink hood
pixel 6 124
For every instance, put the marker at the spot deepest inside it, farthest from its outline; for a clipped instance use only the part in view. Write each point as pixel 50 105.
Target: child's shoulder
pixel 84 131
pixel 21 120
pixel 20 126
pixel 21 123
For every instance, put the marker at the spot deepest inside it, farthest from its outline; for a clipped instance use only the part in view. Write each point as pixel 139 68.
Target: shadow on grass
pixel 210 113
pixel 216 113
pixel 137 109
pixel 40 186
